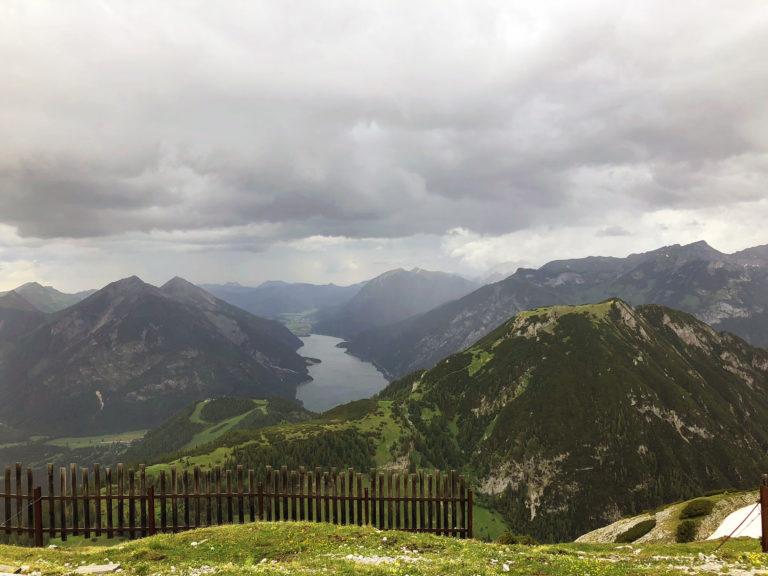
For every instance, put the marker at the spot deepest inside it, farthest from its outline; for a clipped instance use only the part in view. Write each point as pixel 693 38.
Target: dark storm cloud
pixel 352 121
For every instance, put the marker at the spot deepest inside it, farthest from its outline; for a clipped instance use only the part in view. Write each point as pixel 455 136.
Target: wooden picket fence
pixel 95 502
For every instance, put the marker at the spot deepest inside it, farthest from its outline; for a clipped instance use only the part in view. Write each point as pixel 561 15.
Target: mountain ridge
pixel 392 296
pixel 131 353
pixel 729 292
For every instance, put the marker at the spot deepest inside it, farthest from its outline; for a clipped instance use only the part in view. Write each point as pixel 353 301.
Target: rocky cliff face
pixel 131 354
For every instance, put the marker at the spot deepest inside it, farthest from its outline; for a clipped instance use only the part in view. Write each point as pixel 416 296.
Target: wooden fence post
pixel 30 492
pixel 143 498
pixel 37 505
pixel 470 531
pixel 63 501
pixel 19 501
pixel 73 489
pixel 151 509
pixel 108 488
pixel 51 506
pixel 97 493
pixel 86 505
pixel 764 510
pixel 261 502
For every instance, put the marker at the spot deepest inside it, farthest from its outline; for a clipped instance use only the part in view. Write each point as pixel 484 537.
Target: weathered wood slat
pixel 131 503
pixel 454 491
pixel 163 503
pixel 397 500
pixel 446 506
pixel 143 499
pixel 185 490
pixel 382 519
pixel 261 502
pixel 252 488
pixel 30 493
pixel 438 505
pixel 334 496
pixel 430 495
pixel 302 475
pixel 360 498
pixel 97 495
pixel 390 508
pixel 326 496
pixel 240 501
pixel 51 504
pixel 462 506
pixel 372 480
pixel 406 516
pixel 63 501
pixel 86 505
pixel 268 507
pixel 343 503
pixel 422 522
pixel 120 500
pixel 284 491
pixel 108 482
pixel 73 491
pixel 219 508
pixel 230 511
pixel 19 502
pixel 208 498
pixel 196 484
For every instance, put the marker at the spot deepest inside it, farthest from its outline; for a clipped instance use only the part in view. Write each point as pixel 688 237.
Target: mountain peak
pixel 702 249
pixel 178 282
pixel 33 286
pixel 130 286
pixel 130 281
pixel 180 289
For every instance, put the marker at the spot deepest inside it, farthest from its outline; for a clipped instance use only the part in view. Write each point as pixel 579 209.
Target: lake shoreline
pixel 337 377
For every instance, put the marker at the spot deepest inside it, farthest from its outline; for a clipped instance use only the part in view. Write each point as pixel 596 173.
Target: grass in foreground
pixel 303 548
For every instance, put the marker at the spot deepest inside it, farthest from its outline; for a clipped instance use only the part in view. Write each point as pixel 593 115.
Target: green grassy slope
pixel 204 422
pixel 302 548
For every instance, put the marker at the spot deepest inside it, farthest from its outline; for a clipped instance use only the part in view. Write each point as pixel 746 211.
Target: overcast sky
pixel 330 141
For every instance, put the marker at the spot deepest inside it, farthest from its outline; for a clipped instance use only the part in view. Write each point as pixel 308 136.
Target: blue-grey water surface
pixel 339 378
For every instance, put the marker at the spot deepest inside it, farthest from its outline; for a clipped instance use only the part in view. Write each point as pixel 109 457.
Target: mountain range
pixel 273 299
pixel 44 298
pixel 728 291
pixel 564 418
pixel 391 297
pixel 132 354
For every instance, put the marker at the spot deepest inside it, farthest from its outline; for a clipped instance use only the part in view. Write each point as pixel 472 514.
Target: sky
pixel 331 141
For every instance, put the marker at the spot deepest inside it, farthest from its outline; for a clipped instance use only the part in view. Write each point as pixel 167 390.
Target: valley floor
pixel 303 548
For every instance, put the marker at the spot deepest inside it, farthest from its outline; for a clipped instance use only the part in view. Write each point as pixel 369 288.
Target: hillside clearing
pixel 303 548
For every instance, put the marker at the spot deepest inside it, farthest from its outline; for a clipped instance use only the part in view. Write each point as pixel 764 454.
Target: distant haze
pixel 331 142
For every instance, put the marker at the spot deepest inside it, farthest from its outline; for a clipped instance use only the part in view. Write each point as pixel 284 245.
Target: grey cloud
pixel 335 122
pixel 613 231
